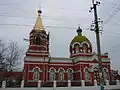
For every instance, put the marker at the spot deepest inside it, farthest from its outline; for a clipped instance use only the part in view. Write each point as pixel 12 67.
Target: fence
pixel 68 85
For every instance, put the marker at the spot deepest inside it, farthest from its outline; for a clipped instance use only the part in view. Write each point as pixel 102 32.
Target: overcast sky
pixel 17 18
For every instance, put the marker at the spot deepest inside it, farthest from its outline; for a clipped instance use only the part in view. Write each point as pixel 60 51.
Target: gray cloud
pixel 69 13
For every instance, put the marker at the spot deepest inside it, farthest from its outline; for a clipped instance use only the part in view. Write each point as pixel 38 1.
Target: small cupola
pixel 80 44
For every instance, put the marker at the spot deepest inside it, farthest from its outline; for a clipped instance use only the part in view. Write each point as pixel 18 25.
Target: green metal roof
pixel 80 39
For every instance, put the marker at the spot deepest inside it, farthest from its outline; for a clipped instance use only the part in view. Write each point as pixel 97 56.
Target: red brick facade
pixel 83 62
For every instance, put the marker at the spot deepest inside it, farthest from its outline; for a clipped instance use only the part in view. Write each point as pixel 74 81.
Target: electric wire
pixel 112 13
pixel 44 26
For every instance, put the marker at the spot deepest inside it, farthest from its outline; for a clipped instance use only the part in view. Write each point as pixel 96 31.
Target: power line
pixel 44 17
pixel 58 27
pixel 113 13
pixel 45 26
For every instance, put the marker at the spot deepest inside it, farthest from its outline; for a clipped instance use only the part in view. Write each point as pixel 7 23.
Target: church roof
pixel 80 38
pixel 39 24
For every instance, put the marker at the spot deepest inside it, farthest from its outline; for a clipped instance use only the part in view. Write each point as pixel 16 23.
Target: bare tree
pixel 10 56
pixel 13 57
pixel 2 56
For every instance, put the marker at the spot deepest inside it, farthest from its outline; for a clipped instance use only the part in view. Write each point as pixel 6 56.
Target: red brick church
pixel 81 65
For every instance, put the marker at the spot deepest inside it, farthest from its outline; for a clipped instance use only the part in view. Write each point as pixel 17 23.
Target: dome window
pixel 77 49
pixel 85 48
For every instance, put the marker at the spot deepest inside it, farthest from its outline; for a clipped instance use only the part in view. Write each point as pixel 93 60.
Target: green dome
pixel 79 38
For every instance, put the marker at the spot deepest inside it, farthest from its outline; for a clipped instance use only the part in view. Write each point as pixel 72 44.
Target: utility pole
pixel 97 31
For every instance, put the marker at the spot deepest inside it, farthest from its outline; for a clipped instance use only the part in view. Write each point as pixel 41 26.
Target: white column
pixel 22 83
pixel 83 83
pixel 54 84
pixel 95 82
pixel 39 83
pixel 118 82
pixel 69 83
pixel 107 82
pixel 3 84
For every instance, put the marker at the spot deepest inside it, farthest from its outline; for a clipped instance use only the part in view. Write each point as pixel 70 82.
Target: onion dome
pixel 80 43
pixel 79 38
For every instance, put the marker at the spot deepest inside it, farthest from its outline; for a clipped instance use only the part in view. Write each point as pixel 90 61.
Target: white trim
pixel 60 69
pixel 61 65
pixel 85 43
pixel 94 66
pixel 38 34
pixel 86 68
pixel 36 53
pixel 49 64
pixel 40 51
pixel 73 45
pixel 39 59
pixel 40 46
pixel 70 69
pixel 37 68
pixel 104 68
pixel 52 68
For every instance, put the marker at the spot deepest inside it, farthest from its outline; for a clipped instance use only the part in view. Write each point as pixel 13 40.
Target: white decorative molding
pixel 104 68
pixel 38 51
pixel 62 64
pixel 86 68
pixel 61 69
pixel 75 44
pixel 37 68
pixel 52 68
pixel 85 43
pixel 94 66
pixel 30 58
pixel 70 69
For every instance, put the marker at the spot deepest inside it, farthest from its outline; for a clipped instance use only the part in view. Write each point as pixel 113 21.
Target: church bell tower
pixel 37 54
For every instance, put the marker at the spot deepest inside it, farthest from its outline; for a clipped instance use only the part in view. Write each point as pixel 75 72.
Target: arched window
pixel 36 74
pixel 85 48
pixel 52 75
pixel 105 74
pixel 87 77
pixel 61 74
pixel 70 76
pixel 38 40
pixel 77 49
